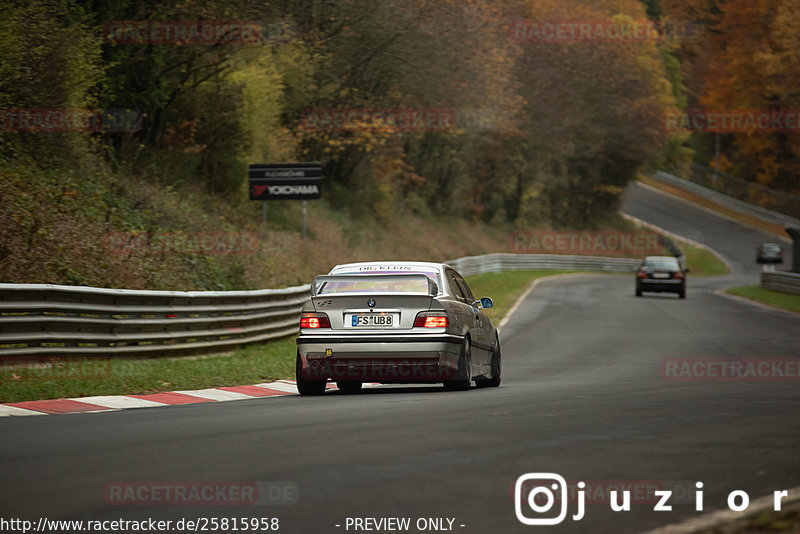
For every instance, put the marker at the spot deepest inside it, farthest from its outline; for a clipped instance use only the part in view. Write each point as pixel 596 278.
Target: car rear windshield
pixel 375 286
pixel 770 246
pixel 383 286
pixel 662 263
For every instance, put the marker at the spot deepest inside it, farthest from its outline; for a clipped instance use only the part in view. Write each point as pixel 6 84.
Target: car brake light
pixel 678 275
pixel 431 321
pixel 314 320
pixel 642 273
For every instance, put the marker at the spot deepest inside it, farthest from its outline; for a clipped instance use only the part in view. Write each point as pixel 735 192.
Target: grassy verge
pixel 701 262
pixel 248 365
pixel 504 288
pixel 775 298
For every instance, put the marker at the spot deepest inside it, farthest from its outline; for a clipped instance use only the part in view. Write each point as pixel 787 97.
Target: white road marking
pixel 277 386
pixel 217 394
pixel 118 402
pixel 6 411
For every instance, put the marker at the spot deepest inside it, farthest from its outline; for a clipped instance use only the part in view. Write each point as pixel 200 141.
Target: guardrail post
pixel 795 234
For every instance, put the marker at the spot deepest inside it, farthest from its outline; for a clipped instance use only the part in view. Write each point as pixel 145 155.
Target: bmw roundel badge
pixel 371 303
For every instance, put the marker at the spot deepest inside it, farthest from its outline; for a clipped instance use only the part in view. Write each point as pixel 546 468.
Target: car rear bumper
pixel 380 358
pixel 655 284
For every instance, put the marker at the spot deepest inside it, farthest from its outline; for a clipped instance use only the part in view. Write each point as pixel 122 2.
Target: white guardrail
pixel 54 320
pixel 727 201
pixel 783 281
pixel 495 263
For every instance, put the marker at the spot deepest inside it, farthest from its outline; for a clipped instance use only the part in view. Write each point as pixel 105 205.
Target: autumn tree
pixel 747 60
pixel 419 55
pixel 49 58
pixel 593 112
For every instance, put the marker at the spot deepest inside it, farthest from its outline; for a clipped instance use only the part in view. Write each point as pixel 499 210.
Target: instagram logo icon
pixel 540 491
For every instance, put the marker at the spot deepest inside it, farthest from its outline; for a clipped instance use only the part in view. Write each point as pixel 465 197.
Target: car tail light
pixel 678 275
pixel 641 274
pixel 314 320
pixel 431 320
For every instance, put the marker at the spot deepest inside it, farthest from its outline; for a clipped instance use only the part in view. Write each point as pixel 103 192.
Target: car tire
pixel 462 382
pixel 305 386
pixel 638 290
pixel 349 386
pixel 682 292
pixel 496 367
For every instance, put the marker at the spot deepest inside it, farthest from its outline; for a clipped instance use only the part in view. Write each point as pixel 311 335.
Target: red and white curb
pixel 106 403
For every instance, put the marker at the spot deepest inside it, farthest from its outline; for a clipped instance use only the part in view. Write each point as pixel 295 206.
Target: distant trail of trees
pixel 745 56
pixel 545 132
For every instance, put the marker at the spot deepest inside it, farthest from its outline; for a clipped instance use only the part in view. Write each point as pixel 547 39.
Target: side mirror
pixel 686 270
pixel 486 303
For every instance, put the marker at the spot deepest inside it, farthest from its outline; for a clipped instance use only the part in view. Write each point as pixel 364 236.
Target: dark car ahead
pixel 769 253
pixel 661 274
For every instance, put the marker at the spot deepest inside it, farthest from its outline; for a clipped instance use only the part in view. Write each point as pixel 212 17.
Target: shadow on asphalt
pixel 390 389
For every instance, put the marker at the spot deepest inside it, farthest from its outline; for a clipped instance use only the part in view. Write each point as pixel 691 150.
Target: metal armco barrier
pixel 53 320
pixel 724 200
pixel 495 263
pixel 38 319
pixel 782 281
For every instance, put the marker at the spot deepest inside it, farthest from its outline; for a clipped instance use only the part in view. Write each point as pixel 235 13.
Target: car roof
pixel 390 265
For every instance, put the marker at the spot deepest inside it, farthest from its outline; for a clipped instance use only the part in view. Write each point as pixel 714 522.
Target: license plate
pixel 660 275
pixel 366 320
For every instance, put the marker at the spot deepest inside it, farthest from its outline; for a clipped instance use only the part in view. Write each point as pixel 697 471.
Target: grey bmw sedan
pixel 395 322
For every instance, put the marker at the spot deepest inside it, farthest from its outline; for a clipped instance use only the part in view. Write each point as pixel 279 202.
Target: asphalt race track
pixel 583 396
pixel 734 242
